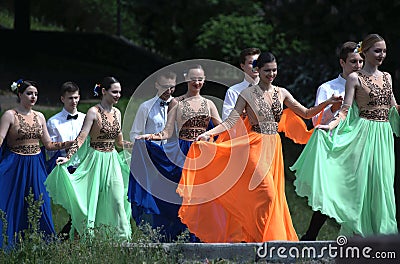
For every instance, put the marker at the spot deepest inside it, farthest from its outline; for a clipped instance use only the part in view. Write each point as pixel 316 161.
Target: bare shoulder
pixel 117 110
pixel 387 75
pixel 39 114
pixel 352 77
pixel 92 112
pixel 283 91
pixel 8 115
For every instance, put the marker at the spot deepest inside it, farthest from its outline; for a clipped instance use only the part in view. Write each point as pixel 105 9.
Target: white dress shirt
pixel 231 97
pixel 233 92
pixel 150 118
pixel 61 130
pixel 325 91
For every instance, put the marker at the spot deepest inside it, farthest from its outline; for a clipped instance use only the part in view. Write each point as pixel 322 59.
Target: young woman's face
pixel 195 79
pixel 113 94
pixel 376 53
pixel 29 96
pixel 268 72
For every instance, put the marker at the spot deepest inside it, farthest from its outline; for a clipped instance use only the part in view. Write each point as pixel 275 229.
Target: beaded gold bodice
pixel 264 109
pixel 24 135
pixel 193 117
pixel 374 97
pixel 105 130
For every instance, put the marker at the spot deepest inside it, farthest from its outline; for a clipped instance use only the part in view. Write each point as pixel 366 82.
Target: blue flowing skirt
pixel 20 174
pixel 155 174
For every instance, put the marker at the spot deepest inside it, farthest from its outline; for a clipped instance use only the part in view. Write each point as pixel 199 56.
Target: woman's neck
pixel 191 94
pixel 106 106
pixel 266 86
pixel 23 109
pixel 370 69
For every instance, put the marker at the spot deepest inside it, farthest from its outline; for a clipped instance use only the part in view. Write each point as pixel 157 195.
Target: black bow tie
pixel 162 103
pixel 72 116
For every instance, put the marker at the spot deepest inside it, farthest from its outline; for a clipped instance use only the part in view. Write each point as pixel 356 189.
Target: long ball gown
pixel 156 170
pixel 95 194
pixel 22 171
pixel 233 190
pixel 348 173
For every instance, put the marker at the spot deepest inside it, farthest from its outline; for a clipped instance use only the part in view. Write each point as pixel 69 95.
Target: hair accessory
pixel 254 63
pixel 358 48
pixel 95 89
pixel 15 85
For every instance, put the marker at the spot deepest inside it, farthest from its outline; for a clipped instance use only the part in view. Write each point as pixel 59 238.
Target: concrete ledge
pixel 271 252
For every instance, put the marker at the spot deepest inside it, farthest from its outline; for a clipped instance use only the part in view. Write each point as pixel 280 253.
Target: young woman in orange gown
pixel 234 190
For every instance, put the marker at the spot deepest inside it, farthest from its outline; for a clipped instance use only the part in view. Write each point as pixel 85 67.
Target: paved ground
pixel 270 252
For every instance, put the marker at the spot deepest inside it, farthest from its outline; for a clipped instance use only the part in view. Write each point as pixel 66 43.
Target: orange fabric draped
pixel 234 191
pixel 241 128
pixel 294 127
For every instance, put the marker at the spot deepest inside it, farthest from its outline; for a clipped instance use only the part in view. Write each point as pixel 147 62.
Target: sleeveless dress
pixel 95 194
pixel 233 190
pixel 348 173
pixel 156 171
pixel 22 170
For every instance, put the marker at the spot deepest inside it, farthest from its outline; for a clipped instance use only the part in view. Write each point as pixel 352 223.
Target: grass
pixel 7 21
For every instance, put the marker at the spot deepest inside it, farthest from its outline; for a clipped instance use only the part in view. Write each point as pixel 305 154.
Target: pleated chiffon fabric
pixel 348 174
pixel 95 194
pixel 156 172
pixel 233 191
pixel 20 176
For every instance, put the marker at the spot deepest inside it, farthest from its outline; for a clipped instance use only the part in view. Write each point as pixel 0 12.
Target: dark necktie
pixel 72 116
pixel 162 103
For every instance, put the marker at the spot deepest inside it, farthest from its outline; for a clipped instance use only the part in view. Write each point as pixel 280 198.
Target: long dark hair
pixel 106 84
pixel 265 57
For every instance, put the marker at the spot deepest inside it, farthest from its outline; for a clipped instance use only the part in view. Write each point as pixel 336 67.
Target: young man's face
pixel 165 87
pixel 353 63
pixel 247 67
pixel 70 101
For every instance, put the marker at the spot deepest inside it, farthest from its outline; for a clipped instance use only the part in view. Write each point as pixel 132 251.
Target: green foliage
pixel 7 21
pixel 224 36
pixel 102 247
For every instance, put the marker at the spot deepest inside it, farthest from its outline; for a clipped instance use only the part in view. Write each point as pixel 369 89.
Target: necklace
pixel 105 109
pixel 375 75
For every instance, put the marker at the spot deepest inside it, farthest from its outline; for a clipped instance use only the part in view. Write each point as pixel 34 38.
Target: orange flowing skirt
pixel 234 191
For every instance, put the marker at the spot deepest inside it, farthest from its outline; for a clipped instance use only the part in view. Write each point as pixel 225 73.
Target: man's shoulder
pixel 148 103
pixel 238 87
pixel 55 117
pixel 332 84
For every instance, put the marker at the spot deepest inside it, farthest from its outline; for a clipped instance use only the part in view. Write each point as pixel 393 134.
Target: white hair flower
pixel 15 85
pixel 358 48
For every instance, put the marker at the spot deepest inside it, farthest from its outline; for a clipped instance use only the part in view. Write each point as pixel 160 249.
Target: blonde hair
pixel 369 41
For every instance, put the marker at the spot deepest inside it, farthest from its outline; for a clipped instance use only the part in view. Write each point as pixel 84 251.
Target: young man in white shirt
pixel 65 126
pixel 247 56
pixel 350 61
pixel 151 116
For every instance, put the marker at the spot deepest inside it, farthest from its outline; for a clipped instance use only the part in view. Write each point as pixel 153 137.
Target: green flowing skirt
pixel 348 174
pixel 96 193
